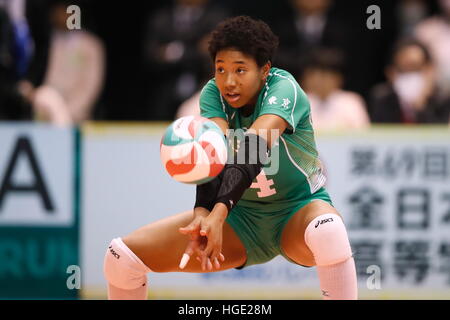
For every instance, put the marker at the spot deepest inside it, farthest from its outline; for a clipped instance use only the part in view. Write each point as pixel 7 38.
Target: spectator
pixel 74 75
pixel 332 107
pixel 15 54
pixel 434 32
pixel 409 95
pixel 409 14
pixel 22 43
pixel 311 25
pixel 176 53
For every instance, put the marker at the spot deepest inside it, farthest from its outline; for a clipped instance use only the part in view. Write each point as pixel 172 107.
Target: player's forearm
pixel 247 164
pixel 230 185
pixel 206 193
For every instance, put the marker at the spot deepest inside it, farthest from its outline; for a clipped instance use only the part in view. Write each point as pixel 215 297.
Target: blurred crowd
pixel 148 61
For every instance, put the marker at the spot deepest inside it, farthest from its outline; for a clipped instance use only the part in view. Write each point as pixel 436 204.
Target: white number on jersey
pixel 263 185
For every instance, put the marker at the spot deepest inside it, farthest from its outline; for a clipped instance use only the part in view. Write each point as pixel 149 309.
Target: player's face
pixel 239 78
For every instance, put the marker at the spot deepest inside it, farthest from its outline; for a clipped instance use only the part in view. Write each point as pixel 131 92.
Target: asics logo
pixel 115 254
pixel 323 221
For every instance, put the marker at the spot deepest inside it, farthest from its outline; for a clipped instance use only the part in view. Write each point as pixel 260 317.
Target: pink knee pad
pixel 327 238
pixel 122 268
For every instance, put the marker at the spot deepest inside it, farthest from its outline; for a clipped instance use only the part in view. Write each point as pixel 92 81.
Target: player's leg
pixel 316 236
pixel 158 247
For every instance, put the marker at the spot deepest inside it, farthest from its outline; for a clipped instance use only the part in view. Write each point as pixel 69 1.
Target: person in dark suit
pixel 175 53
pixel 309 25
pixel 409 95
pixel 24 34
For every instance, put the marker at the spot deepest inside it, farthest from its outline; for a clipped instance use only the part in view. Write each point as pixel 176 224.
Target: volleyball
pixel 193 150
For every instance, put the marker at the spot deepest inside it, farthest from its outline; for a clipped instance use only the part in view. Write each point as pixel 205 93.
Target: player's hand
pixel 196 241
pixel 212 228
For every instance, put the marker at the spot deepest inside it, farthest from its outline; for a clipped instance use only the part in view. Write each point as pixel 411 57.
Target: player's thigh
pixel 160 245
pixel 293 239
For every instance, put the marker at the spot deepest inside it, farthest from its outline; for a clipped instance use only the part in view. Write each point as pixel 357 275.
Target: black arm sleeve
pixel 246 165
pixel 207 192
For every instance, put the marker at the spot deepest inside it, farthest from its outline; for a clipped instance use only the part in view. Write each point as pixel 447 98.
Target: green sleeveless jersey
pixel 294 172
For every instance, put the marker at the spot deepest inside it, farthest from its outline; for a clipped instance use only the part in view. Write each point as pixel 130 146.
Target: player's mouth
pixel 232 97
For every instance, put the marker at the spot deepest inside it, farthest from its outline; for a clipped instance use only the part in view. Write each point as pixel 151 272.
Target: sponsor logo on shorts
pixel 322 222
pixel 115 254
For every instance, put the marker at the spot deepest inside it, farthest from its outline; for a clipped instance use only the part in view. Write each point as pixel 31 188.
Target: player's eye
pixel 220 70
pixel 240 71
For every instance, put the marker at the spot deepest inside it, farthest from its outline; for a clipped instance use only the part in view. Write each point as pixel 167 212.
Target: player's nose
pixel 230 81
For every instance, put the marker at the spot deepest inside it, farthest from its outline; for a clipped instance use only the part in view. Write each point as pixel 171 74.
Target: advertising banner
pixel 38 212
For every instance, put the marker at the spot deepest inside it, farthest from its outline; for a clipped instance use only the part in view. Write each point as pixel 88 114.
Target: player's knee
pixel 122 268
pixel 327 239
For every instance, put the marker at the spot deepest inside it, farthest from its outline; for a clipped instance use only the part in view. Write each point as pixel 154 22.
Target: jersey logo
pixel 272 100
pixel 286 103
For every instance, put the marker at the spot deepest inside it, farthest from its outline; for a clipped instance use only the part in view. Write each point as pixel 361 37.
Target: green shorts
pixel 260 232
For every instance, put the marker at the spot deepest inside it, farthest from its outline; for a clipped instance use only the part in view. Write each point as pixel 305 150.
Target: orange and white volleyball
pixel 193 150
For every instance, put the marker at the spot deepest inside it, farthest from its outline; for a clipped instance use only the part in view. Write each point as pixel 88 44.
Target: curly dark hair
pixel 250 36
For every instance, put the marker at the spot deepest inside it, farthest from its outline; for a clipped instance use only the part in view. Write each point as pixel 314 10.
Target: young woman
pixel 245 216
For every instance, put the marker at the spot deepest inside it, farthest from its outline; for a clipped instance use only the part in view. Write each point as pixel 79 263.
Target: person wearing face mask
pixel 409 95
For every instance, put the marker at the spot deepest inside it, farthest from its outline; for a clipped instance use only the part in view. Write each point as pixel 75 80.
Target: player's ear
pixel 266 69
